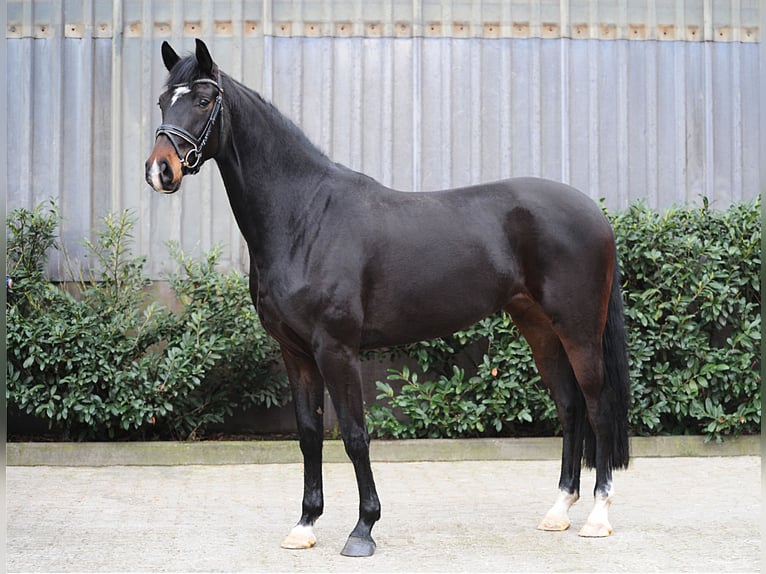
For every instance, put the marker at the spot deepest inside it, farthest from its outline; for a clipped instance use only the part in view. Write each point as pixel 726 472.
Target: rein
pixel 192 161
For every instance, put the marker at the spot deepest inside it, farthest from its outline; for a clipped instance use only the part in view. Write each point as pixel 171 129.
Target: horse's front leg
pixel 340 368
pixel 308 398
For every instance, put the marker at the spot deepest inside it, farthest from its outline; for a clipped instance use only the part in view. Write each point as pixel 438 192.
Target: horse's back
pixel 548 216
pixel 543 198
pixel 551 203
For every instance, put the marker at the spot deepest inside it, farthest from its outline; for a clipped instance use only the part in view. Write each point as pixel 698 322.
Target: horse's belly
pixel 427 313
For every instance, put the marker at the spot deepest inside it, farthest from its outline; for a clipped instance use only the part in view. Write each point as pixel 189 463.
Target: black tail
pixel 615 396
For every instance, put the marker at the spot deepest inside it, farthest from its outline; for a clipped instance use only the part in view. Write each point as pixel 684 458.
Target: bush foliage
pixel 101 361
pixel 692 304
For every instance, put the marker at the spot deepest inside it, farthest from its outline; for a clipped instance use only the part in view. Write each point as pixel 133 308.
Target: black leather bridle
pixel 192 160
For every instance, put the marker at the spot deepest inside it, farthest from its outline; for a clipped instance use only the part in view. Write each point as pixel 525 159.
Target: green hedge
pixel 104 362
pixel 692 303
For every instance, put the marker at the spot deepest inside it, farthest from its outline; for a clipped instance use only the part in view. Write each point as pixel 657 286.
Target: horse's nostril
pixel 160 174
pixel 166 172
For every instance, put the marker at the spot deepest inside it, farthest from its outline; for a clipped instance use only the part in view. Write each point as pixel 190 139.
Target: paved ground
pixel 670 514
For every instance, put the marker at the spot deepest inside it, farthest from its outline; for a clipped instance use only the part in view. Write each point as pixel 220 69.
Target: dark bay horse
pixel 340 263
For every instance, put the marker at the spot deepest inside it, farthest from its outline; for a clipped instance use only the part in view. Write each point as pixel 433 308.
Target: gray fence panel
pixel 627 101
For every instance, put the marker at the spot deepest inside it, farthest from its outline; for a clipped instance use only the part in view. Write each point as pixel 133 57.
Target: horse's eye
pixel 204 102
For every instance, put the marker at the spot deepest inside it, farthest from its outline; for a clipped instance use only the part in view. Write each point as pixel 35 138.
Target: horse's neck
pixel 270 172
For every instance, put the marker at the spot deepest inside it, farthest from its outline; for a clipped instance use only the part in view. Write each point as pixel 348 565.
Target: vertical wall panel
pixel 100 163
pixel 405 117
pixel 20 126
pixel 628 101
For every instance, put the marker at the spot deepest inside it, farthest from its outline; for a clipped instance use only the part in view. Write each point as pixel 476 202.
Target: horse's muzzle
pixel 163 168
pixel 159 174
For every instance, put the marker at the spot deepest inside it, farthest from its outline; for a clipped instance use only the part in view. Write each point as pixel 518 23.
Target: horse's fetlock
pixel 313 507
pixel 370 511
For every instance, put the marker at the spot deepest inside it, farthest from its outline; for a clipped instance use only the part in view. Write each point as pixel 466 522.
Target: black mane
pixel 289 139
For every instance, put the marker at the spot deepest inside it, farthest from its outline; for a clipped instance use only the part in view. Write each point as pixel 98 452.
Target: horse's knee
pixel 356 441
pixel 310 441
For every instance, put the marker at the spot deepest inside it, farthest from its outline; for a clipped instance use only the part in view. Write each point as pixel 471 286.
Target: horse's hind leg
pixel 588 364
pixel 308 399
pixel 557 375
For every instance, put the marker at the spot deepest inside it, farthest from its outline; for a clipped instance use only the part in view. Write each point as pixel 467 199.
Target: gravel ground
pixel 669 515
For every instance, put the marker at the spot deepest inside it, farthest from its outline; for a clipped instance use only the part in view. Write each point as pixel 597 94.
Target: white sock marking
pixel 557 518
pixel 564 502
pixel 300 537
pixel 600 511
pixel 597 524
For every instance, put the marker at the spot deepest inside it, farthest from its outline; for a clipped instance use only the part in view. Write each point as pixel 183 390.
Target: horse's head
pixel 191 108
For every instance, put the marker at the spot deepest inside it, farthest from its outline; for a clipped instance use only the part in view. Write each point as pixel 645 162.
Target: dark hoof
pixel 357 547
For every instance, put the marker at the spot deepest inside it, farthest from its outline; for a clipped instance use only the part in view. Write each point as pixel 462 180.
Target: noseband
pixel 192 161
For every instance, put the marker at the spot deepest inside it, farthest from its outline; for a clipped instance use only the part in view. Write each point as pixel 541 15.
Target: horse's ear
pixel 169 56
pixel 204 59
